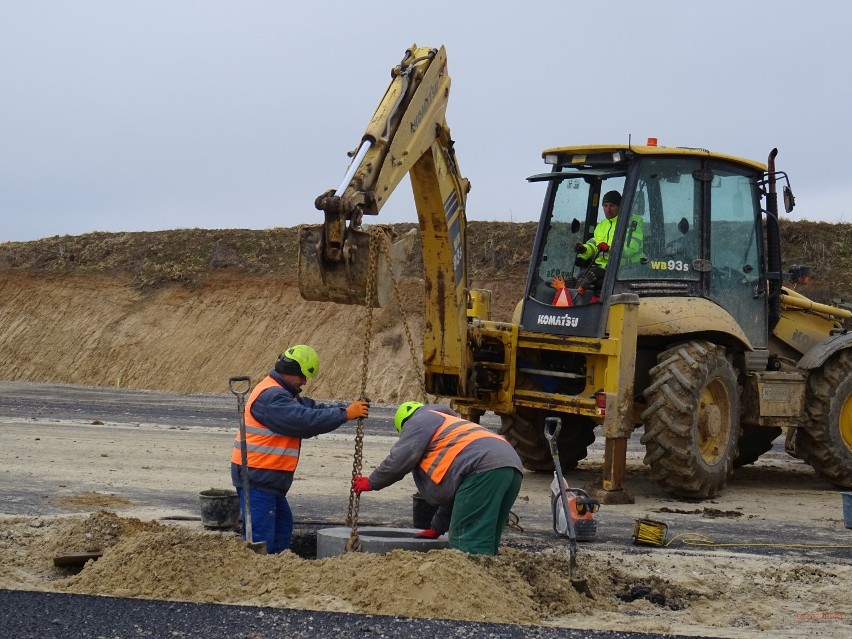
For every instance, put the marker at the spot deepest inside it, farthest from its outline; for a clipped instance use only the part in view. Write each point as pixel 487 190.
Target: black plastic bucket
pixel 219 508
pixel 422 511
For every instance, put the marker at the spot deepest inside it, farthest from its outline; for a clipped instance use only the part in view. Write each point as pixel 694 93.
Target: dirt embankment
pixel 184 310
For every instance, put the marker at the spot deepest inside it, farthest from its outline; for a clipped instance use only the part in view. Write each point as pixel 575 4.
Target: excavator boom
pixel 407 135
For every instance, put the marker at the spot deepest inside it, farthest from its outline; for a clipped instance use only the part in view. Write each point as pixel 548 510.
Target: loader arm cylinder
pixel 353 166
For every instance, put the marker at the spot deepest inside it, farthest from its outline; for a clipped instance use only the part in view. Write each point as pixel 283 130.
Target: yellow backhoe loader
pixel 688 332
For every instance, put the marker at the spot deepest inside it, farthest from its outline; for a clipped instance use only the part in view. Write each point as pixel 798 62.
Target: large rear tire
pixel 524 429
pixel 692 422
pixel 827 444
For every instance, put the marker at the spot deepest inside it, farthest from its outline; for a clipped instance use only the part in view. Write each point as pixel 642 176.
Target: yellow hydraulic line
pixel 808 305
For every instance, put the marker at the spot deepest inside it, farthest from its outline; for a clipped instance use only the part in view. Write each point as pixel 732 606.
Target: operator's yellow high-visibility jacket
pixel 605 232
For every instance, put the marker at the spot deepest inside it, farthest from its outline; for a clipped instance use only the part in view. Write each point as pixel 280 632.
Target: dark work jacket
pixel 282 410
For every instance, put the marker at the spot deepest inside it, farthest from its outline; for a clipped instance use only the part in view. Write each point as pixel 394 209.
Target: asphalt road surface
pixel 39 615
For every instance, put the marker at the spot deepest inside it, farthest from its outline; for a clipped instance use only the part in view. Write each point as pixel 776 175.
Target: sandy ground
pixel 110 486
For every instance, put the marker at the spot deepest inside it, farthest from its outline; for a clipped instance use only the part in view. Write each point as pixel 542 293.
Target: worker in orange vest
pixel 470 473
pixel 277 419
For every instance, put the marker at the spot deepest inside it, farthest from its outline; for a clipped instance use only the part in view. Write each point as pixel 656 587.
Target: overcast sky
pixel 132 115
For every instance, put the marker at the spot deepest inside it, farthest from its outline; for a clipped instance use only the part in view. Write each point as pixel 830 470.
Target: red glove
pixel 361 484
pixel 603 247
pixel 579 247
pixel 429 533
pixel 558 282
pixel 357 409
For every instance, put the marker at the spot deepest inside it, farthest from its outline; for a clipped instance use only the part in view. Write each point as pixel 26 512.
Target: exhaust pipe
pixel 773 245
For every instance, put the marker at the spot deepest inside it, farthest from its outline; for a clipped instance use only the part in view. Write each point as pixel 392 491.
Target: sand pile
pixel 694 592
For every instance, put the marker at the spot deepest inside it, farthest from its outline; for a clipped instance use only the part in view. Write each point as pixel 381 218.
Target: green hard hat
pixel 305 357
pixel 404 412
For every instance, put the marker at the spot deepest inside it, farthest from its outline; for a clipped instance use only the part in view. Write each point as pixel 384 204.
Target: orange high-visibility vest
pixel 266 449
pixel 448 441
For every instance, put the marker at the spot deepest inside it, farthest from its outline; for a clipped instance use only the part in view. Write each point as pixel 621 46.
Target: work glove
pixel 558 282
pixel 579 247
pixel 361 484
pixel 357 409
pixel 603 247
pixel 429 533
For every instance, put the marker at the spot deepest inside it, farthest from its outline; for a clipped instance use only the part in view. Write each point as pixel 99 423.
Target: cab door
pixel 702 237
pixel 735 279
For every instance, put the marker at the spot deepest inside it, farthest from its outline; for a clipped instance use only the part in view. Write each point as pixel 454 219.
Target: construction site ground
pixel 120 471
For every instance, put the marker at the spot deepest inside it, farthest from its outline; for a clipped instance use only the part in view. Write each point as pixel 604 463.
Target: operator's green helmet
pixel 299 359
pixel 404 412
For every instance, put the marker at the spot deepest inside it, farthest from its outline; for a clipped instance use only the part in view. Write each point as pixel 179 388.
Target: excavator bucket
pixel 346 281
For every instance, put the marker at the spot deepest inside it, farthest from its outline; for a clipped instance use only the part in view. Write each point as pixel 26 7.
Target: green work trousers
pixel 481 509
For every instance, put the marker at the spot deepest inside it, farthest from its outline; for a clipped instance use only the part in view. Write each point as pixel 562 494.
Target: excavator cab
pixel 688 226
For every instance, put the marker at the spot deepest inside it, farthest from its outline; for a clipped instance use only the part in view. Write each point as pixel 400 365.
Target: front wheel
pixel 524 429
pixel 692 422
pixel 827 444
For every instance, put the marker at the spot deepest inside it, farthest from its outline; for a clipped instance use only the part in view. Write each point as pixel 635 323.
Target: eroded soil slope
pixel 184 310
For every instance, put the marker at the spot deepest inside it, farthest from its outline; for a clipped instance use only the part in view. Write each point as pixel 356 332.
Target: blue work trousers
pixel 271 519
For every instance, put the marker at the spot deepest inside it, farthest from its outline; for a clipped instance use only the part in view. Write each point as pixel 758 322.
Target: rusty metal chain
pixel 354 542
pixel 513 521
pixel 399 302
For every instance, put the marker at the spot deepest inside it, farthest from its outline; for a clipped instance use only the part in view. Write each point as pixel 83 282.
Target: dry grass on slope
pixel 187 256
pixel 495 250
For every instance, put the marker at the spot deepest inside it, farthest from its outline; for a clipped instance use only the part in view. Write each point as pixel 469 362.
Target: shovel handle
pixel 239 385
pixel 552 426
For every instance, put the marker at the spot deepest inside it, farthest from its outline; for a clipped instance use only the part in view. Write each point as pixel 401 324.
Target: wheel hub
pixel 846 422
pixel 714 422
pixel 710 421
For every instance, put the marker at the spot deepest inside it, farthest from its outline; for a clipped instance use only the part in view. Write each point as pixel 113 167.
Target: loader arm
pixel 407 135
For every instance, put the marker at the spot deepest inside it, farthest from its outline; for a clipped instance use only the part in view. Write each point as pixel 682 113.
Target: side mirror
pixel 789 199
pixel 683 226
pixel 575 225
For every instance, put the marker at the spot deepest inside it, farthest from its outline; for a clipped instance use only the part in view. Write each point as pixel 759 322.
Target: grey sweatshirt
pixel 478 456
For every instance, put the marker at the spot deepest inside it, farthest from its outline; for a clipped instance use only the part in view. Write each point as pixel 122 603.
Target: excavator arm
pixel 407 135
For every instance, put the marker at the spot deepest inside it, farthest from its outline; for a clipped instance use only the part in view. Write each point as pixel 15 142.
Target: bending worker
pixel 596 249
pixel 470 473
pixel 277 419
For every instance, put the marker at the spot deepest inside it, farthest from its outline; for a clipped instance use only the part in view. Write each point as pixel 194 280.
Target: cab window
pixel 666 204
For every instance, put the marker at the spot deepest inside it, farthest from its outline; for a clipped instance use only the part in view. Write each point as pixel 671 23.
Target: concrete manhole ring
pixel 376 539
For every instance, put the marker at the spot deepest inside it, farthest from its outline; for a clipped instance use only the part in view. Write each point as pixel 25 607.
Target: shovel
pixel 552 426
pixel 240 387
